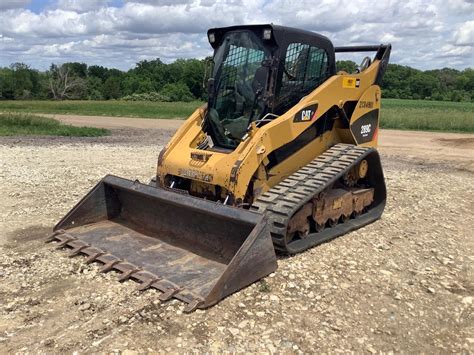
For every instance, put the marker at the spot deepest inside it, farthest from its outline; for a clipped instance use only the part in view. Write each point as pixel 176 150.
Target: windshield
pixel 239 82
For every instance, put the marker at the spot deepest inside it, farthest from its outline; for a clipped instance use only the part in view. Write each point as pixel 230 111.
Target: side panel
pixel 364 124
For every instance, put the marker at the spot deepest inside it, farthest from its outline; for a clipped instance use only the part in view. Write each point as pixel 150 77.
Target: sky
pixel 425 34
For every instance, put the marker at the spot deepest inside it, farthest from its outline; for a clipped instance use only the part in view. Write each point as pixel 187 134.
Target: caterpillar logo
pixel 306 114
pixel 366 104
pixel 195 175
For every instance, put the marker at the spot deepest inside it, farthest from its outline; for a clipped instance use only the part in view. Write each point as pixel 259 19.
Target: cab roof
pixel 280 35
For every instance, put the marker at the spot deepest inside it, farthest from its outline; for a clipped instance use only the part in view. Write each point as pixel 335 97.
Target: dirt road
pixel 404 283
pixel 426 145
pixel 111 122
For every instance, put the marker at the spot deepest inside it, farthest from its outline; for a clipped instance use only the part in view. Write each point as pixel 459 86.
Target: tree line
pixel 182 80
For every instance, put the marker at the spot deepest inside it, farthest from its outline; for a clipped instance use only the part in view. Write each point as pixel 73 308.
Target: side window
pixel 305 67
pixel 296 61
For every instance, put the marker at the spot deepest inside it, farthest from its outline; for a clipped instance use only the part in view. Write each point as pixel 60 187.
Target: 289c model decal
pixel 364 128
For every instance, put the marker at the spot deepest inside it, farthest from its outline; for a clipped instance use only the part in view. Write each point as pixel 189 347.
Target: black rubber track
pixel 282 201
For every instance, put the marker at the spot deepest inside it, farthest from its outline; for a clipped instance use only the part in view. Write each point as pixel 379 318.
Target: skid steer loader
pixel 281 158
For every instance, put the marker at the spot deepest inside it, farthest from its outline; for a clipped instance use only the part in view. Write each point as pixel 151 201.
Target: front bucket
pixel 195 250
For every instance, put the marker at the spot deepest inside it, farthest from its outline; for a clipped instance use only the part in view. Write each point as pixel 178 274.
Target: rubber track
pixel 283 200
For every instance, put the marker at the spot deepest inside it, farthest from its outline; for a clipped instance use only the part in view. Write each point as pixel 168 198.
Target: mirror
pixel 210 87
pixel 208 65
pixel 259 81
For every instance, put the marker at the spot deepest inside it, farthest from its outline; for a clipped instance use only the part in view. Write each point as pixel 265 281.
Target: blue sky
pixel 37 6
pixel 425 34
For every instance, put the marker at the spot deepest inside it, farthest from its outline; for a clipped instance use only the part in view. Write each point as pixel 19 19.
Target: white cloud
pixel 461 6
pixel 81 5
pixel 464 36
pixel 13 4
pixel 448 50
pixel 160 2
pixel 423 32
pixel 55 23
pixel 389 38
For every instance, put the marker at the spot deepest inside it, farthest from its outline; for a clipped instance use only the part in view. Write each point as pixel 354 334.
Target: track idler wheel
pixel 357 172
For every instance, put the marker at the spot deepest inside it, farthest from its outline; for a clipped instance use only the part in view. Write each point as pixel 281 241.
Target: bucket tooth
pixel 192 306
pixel 64 240
pixel 168 294
pixel 128 274
pixel 93 257
pixel 55 235
pixel 109 266
pixel 77 250
pixel 147 283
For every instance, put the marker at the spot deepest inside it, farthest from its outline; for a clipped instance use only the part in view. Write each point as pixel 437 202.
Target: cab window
pixel 305 67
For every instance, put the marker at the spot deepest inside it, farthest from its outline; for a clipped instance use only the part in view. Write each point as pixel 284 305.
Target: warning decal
pixel 350 83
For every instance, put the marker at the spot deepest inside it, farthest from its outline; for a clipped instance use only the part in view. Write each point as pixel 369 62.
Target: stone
pixel 84 307
pixel 233 331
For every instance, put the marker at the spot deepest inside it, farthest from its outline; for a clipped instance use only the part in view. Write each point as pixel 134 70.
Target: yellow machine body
pixel 234 170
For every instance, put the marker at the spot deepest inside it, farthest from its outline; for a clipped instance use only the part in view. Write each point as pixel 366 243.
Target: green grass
pixel 20 124
pixel 396 114
pixel 104 108
pixel 423 115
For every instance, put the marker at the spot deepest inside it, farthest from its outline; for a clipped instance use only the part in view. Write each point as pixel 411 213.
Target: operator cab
pixel 260 71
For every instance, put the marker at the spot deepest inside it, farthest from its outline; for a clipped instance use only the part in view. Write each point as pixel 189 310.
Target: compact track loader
pixel 282 158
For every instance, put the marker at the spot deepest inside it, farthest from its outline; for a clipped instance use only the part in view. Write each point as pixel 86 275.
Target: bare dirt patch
pixel 449 150
pixel 403 283
pixel 118 122
pixel 27 234
pixel 459 143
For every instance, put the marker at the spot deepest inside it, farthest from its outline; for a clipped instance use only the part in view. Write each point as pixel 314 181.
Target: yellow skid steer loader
pixel 281 158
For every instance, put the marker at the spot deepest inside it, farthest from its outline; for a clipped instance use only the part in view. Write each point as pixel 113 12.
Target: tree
pixel 94 88
pixel 19 81
pixel 98 71
pixel 193 76
pixel 422 85
pixel 7 86
pixel 77 69
pixel 346 65
pixel 177 92
pixel 154 70
pixel 136 84
pixel 64 84
pixel 183 79
pixel 111 88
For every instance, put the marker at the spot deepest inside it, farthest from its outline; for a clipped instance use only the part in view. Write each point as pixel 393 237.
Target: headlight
pixel 267 33
pixel 212 37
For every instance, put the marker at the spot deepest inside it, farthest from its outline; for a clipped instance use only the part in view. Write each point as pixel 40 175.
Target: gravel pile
pixel 404 283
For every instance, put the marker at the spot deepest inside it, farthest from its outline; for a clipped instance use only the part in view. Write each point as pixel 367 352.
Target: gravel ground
pixel 404 283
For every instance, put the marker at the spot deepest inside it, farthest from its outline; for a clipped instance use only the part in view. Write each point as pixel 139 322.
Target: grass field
pixel 144 109
pixel 396 114
pixel 422 115
pixel 14 124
